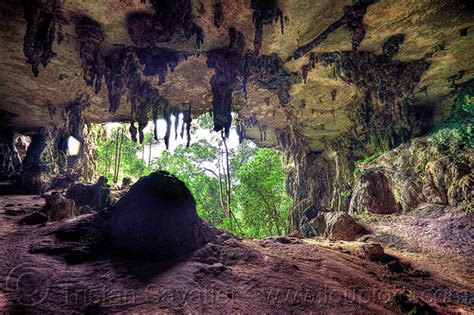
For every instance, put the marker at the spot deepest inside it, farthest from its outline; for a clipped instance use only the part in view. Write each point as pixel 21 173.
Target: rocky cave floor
pixel 50 268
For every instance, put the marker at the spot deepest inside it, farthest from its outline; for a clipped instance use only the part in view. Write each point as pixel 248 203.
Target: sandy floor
pixel 230 277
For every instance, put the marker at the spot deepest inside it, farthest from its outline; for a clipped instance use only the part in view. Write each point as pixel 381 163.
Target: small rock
pixel 96 196
pixel 283 240
pixel 34 218
pixel 85 210
pixel 420 274
pixel 15 212
pixel 337 225
pixel 407 302
pixel 373 252
pixel 77 256
pixel 395 266
pixel 296 234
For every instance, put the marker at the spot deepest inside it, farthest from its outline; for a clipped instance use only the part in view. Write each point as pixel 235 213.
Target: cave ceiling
pixel 291 59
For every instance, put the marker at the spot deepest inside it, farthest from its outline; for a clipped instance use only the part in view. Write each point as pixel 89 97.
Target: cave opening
pixel 73 146
pixel 237 186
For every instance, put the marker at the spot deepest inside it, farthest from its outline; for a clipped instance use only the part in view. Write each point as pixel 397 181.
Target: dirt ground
pixel 276 275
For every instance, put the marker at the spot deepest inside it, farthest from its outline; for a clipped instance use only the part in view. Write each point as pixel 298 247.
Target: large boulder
pixel 96 196
pixel 155 220
pixel 309 214
pixel 337 225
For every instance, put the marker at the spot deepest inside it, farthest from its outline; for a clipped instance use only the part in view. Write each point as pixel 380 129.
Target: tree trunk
pixel 119 156
pixel 149 154
pixel 221 194
pixel 228 190
pixel 116 152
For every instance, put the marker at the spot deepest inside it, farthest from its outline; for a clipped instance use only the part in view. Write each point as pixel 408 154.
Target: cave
pixel 263 156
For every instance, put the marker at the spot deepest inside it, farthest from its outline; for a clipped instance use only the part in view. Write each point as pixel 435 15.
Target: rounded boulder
pixel 156 219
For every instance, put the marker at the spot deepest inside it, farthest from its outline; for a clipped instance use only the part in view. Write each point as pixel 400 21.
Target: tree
pixel 261 194
pixel 117 147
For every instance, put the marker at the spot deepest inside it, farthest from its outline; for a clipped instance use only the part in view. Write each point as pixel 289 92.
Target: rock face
pixel 156 219
pixel 337 226
pixel 375 192
pixel 437 168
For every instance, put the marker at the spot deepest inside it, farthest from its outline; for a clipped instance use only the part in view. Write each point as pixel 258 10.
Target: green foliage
pixel 449 137
pixel 261 195
pixel 131 165
pixel 457 132
pixel 259 202
pixel 346 193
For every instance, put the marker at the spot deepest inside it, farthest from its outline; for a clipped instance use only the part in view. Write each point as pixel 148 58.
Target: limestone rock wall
pixel 437 168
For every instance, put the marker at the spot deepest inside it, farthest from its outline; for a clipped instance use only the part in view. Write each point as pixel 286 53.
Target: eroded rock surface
pixel 437 168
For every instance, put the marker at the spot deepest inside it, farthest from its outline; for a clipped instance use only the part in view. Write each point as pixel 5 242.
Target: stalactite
pixel 265 12
pixel 124 73
pixel 354 16
pixel 187 119
pixel 218 13
pixel 267 101
pixel 141 126
pixel 133 131
pixel 227 63
pixel 266 71
pixel 157 61
pixel 262 129
pixel 90 36
pixel 240 130
pixel 41 18
pixel 167 117
pixel 155 118
pixel 386 82
pixel 304 72
pixel 392 45
pixel 183 126
pixel 176 122
pixel 117 64
pixel 75 119
pixel 333 95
